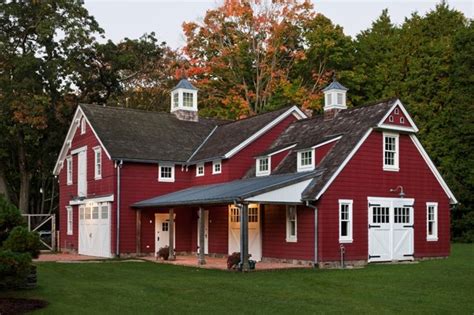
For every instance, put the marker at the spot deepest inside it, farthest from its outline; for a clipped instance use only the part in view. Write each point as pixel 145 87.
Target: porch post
pixel 138 232
pixel 171 233
pixel 202 258
pixel 244 237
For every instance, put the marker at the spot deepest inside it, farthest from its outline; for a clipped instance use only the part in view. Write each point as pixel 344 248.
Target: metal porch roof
pixel 223 193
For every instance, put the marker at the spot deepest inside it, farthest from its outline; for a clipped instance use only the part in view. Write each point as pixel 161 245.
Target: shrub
pixel 164 252
pixel 233 260
pixel 21 240
pixel 14 269
pixel 10 217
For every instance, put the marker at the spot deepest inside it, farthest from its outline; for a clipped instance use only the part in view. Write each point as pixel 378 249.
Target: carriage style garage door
pixel 391 231
pixel 255 237
pixel 94 229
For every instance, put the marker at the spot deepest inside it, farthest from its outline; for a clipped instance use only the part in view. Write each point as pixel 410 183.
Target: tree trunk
pixel 24 198
pixel 3 185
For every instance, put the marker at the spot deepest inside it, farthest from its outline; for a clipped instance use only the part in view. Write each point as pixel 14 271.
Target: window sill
pixel 305 169
pixel 262 174
pixel 345 241
pixel 69 233
pixel 391 169
pixel 166 180
pixel 98 177
pixel 291 240
pixel 432 239
pixel 200 175
pixel 69 184
pixel 217 173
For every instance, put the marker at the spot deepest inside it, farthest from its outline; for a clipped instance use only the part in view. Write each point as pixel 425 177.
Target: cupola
pixel 334 98
pixel 184 101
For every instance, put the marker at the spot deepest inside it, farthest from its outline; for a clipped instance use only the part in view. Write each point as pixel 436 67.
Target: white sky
pixel 129 18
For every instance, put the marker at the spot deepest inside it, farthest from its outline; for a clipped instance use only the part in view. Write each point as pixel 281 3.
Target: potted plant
pixel 164 253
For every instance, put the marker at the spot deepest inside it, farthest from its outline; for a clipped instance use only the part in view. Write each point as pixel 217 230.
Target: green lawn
pixel 437 286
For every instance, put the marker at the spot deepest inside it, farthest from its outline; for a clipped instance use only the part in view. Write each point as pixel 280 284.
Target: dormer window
pixel 263 166
pixel 217 167
pixel 187 99
pixel 200 170
pixel 305 160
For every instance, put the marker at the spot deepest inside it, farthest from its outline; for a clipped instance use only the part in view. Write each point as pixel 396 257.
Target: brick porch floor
pixel 65 257
pixel 220 263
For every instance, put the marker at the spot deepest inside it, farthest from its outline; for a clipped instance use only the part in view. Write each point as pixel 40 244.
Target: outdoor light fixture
pixel 402 193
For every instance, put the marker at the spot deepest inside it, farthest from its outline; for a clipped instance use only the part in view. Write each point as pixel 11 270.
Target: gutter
pixel 117 250
pixel 315 233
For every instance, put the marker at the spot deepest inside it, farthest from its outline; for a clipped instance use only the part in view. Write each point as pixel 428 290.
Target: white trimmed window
pixel 200 170
pixel 83 125
pixel 340 98
pixel 305 160
pixel 291 224
pixel 217 167
pixel 390 152
pixel 166 173
pixel 431 221
pixel 263 166
pixel 70 219
pixel 69 170
pixel 345 221
pixel 97 163
pixel 188 99
pixel 175 99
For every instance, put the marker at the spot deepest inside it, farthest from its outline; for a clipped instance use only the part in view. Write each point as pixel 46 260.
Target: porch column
pixel 171 233
pixel 201 259
pixel 244 237
pixel 138 232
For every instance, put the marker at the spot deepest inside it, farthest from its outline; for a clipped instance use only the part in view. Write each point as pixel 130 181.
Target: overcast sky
pixel 133 18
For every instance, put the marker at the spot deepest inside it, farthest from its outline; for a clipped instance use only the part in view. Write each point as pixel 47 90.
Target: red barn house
pixel 280 185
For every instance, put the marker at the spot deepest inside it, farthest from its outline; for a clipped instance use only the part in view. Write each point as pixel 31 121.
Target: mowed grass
pixel 436 286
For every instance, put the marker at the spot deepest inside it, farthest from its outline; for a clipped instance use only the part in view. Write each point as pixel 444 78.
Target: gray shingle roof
pixel 185 84
pixel 225 192
pixel 150 136
pixel 336 86
pixel 351 124
pixel 228 136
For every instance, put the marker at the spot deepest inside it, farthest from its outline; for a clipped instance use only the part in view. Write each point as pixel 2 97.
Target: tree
pixel 42 42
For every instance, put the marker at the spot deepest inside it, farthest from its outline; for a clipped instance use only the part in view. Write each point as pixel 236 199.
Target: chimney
pixel 334 99
pixel 184 101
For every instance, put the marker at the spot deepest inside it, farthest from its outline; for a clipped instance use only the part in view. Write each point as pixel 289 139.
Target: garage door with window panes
pixel 94 229
pixel 391 230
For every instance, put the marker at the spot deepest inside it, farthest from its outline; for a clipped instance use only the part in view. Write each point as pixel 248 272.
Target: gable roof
pixel 227 138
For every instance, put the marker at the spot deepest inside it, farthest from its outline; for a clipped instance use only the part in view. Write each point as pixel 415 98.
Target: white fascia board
pixel 320 144
pixel 279 151
pixel 109 198
pixel 433 169
pixel 288 194
pixel 404 111
pixel 293 110
pixel 344 163
pixel 396 128
pixel 406 201
pixel 70 134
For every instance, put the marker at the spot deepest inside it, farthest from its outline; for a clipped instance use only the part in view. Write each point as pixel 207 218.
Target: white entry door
pixel 94 229
pixel 391 232
pixel 162 231
pixel 206 232
pixel 255 237
pixel 82 173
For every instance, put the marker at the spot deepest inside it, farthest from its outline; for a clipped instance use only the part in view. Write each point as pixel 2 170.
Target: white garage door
pixel 391 231
pixel 94 229
pixel 255 238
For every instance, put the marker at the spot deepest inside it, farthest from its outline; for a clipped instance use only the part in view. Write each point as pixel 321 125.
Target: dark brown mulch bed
pixel 10 306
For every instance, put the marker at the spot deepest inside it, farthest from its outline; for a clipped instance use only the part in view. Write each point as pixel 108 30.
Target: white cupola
pixel 184 101
pixel 334 98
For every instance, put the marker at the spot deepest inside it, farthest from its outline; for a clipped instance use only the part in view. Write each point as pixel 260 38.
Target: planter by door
pixel 391 229
pixel 255 237
pixel 162 234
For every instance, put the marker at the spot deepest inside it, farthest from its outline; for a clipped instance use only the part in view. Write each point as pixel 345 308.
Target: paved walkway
pixel 220 263
pixel 65 257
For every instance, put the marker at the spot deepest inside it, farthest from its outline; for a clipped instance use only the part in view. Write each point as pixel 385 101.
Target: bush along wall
pixel 18 247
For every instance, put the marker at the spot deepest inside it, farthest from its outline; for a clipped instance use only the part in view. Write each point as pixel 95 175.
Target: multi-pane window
pixel 166 173
pixel 291 226
pixel 340 98
pixel 87 214
pixel 69 220
pixel 165 226
pixel 380 215
pixel 263 166
pixel 253 213
pixel 188 99
pixel 95 212
pixel 432 221
pixel 98 163
pixel 234 214
pixel 216 167
pixel 328 99
pixel 81 213
pixel 345 221
pixel 305 160
pixel 390 152
pixel 175 99
pixel 69 170
pixel 200 169
pixel 401 215
pixel 104 211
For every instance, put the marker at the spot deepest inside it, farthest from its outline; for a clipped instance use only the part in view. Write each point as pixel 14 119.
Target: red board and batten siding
pixel 274 244
pixel 363 176
pixel 103 186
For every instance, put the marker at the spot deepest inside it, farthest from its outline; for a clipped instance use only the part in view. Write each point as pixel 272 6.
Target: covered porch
pixel 239 205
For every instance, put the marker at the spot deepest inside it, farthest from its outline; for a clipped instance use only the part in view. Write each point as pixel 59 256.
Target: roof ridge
pixel 283 109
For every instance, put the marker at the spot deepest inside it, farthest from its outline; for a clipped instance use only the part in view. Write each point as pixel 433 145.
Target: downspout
pixel 117 250
pixel 315 232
